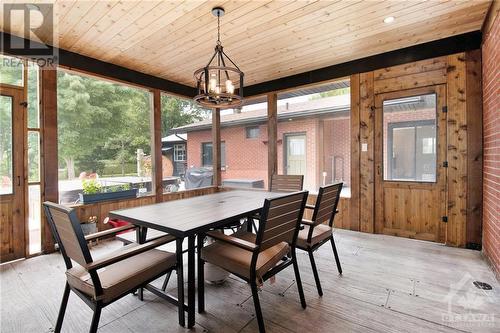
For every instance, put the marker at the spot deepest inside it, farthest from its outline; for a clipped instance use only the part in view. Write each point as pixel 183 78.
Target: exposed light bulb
pixel 229 87
pixel 212 84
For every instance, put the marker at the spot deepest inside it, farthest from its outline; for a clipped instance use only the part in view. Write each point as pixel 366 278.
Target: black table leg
pixel 180 281
pixel 191 281
pixel 201 276
pixel 141 234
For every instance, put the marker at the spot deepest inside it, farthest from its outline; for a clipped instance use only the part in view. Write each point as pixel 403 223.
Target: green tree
pixel 177 112
pixel 82 123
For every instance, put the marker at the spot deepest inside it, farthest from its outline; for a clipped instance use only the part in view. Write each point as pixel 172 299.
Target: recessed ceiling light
pixel 389 19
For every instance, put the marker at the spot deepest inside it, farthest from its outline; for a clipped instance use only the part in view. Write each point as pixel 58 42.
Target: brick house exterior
pixel 326 129
pixel 246 158
pixel 491 137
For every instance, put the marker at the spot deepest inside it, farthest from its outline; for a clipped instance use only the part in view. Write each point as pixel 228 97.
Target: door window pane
pixel 11 71
pixel 5 145
pixel 33 156
pixel 410 139
pixel 33 102
pixel 34 218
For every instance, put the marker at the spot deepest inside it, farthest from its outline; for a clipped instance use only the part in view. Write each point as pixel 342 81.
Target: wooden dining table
pixel 187 218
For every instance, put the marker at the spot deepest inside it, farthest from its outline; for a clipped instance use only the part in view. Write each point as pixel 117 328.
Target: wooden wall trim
pixel 272 136
pixel 216 147
pixel 156 155
pixel 366 164
pixel 457 150
pixel 355 153
pixel 86 64
pixel 474 105
pixel 49 159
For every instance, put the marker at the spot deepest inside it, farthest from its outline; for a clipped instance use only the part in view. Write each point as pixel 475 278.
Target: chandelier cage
pixel 220 82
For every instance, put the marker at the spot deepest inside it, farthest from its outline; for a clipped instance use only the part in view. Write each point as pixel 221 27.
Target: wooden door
pixel 295 154
pixel 410 152
pixel 12 193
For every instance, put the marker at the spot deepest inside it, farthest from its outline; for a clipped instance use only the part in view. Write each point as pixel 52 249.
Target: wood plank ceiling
pixel 267 39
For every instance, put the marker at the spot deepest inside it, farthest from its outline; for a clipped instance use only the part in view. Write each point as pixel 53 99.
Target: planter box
pixel 89 228
pixel 90 198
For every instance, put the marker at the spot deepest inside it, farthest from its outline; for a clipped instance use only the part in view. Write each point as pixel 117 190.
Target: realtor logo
pixel 464 305
pixel 30 32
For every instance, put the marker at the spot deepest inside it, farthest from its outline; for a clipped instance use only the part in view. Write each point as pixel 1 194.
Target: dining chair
pixel 130 237
pixel 257 257
pixel 100 282
pixel 279 183
pixel 286 183
pixel 315 232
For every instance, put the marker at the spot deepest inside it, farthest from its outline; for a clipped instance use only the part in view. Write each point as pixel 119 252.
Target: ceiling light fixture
pixel 220 79
pixel 389 19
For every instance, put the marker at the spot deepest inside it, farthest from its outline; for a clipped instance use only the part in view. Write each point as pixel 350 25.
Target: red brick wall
pixel 491 132
pixel 247 158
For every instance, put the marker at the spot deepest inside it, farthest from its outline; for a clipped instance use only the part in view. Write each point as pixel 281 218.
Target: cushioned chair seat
pixel 237 260
pixel 124 275
pixel 320 232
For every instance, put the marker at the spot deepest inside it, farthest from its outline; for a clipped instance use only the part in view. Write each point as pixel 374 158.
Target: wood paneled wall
pixel 461 75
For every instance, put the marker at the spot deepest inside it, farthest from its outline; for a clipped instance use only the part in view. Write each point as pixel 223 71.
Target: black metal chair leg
pixel 140 294
pixel 315 272
pixel 337 260
pixel 201 276
pixel 165 283
pixel 298 280
pixel 258 310
pixel 95 319
pixel 62 309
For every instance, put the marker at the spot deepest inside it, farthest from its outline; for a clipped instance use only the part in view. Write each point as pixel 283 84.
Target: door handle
pixel 18 180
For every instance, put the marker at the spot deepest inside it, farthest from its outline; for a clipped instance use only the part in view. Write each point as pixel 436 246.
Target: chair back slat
pixel 326 204
pixel 67 232
pixel 280 220
pixel 286 183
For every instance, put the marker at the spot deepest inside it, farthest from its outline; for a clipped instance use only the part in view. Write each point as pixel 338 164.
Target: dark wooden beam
pixel 50 178
pixel 455 44
pixel 86 64
pixel 216 146
pixel 156 151
pixel 272 136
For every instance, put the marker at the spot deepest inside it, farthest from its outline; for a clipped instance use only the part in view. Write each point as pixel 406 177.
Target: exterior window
pixel 410 139
pixel 252 132
pixel 104 137
pixel 207 154
pixel 180 153
pixel 314 135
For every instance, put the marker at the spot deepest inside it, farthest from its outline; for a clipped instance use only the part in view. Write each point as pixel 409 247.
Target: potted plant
pixel 93 191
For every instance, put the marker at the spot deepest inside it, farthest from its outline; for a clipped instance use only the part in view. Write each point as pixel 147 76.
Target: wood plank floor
pixel 389 284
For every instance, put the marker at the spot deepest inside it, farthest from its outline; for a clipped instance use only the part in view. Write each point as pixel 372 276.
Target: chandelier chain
pixel 218 30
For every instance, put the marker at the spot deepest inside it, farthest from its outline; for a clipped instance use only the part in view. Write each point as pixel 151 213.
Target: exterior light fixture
pixel 220 82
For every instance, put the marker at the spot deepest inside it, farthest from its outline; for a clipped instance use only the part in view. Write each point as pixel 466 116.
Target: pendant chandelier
pixel 220 82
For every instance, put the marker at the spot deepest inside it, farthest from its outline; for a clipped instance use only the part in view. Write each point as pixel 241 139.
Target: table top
pixel 186 217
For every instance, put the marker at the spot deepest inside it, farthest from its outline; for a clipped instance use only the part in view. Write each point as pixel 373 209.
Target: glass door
pixel 410 151
pixel 12 180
